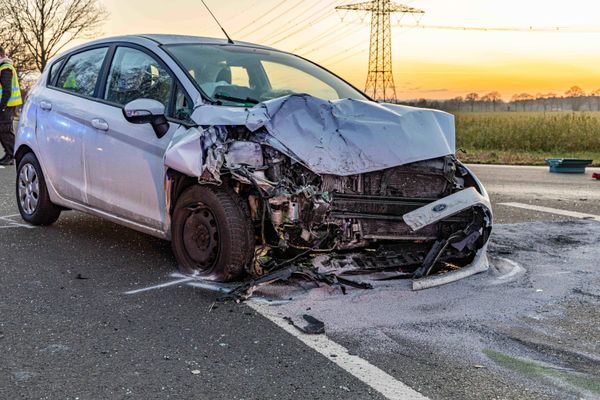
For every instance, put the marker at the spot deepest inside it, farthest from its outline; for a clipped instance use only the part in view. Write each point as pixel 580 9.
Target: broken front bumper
pixel 447 207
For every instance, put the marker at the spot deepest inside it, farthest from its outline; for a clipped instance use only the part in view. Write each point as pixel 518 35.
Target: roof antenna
pixel 217 21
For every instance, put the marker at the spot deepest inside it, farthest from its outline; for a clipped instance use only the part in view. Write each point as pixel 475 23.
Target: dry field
pixel 527 138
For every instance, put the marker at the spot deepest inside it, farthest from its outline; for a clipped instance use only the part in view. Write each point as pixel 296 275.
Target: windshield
pixel 237 75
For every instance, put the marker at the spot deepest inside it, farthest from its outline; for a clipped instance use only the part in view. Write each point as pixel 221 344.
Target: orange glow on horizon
pixel 431 64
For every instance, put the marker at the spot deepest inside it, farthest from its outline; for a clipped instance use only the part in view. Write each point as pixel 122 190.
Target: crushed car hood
pixel 341 137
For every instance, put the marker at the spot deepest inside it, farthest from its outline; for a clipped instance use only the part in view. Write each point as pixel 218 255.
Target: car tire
pixel 33 200
pixel 212 233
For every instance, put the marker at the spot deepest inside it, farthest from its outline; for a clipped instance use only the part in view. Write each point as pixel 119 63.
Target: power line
pixel 331 35
pixel 239 15
pixel 266 24
pixel 316 21
pixel 250 24
pixel 344 52
pixel 557 29
pixel 350 55
pixel 286 26
pixel 309 21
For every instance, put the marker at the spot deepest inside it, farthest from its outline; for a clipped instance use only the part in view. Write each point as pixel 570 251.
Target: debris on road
pixel 246 289
pixel 568 165
pixel 596 175
pixel 314 326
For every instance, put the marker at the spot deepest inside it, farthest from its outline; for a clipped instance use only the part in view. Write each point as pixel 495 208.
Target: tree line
pixel 574 99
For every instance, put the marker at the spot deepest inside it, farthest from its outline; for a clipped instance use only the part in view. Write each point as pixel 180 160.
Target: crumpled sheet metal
pixel 342 137
pixel 184 153
pixel 196 152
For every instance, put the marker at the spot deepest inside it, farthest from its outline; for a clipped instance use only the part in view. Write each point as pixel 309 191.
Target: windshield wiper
pixel 236 99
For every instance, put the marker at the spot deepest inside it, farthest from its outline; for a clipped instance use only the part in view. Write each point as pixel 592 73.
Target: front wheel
pixel 212 233
pixel 32 194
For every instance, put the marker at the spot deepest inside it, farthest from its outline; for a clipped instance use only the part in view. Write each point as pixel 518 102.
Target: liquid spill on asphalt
pixel 530 307
pixel 529 324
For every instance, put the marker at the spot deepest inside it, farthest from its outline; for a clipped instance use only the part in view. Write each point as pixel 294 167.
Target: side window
pixel 183 107
pixel 81 72
pixel 136 75
pixel 54 70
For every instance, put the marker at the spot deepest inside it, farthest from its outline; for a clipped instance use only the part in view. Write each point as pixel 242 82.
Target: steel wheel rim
pixel 29 188
pixel 201 238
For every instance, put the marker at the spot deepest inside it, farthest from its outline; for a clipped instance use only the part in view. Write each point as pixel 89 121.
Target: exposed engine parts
pixel 296 210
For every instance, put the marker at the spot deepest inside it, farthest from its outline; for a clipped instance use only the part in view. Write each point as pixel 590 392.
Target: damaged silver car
pixel 248 159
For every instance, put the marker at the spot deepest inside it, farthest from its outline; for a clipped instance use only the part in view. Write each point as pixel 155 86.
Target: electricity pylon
pixel 380 80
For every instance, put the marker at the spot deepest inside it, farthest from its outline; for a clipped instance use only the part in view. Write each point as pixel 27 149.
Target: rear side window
pixel 137 75
pixel 183 108
pixel 81 71
pixel 54 70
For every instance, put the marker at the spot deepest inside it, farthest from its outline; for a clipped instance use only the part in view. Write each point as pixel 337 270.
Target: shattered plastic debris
pixel 245 290
pixel 313 326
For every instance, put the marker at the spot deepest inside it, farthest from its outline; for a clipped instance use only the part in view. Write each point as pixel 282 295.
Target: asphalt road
pixel 69 331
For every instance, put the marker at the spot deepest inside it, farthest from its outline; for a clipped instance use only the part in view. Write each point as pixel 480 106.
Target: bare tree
pixel 575 94
pixel 494 98
pixel 551 98
pixel 575 91
pixel 523 98
pixel 472 98
pixel 17 50
pixel 46 26
pixel 596 95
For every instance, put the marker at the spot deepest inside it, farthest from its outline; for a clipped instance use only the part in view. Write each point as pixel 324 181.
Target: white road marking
pixel 369 374
pixel 13 224
pixel 162 285
pixel 556 211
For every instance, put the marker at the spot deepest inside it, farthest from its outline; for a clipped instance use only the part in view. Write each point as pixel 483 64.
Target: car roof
pixel 186 39
pixel 164 39
pixel 159 40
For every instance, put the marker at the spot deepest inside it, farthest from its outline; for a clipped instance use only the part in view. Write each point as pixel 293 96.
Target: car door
pixel 63 122
pixel 126 166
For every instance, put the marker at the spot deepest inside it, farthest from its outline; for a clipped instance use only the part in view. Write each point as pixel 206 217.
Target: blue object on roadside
pixel 568 165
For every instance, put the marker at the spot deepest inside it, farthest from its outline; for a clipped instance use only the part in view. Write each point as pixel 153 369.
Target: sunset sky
pixel 427 63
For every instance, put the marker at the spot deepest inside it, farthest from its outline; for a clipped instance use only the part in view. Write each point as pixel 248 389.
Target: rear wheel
pixel 32 193
pixel 212 234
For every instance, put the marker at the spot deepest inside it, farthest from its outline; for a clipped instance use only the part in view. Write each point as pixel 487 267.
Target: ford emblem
pixel 439 208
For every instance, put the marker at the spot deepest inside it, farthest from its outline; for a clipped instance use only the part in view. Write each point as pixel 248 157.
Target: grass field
pixel 527 138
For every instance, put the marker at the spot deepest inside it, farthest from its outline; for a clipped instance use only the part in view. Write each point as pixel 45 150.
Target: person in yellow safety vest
pixel 10 99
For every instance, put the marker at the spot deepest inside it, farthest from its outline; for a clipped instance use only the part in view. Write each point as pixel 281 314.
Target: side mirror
pixel 147 111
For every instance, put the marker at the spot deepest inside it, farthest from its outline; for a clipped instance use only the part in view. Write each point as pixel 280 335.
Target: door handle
pixel 100 124
pixel 45 105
